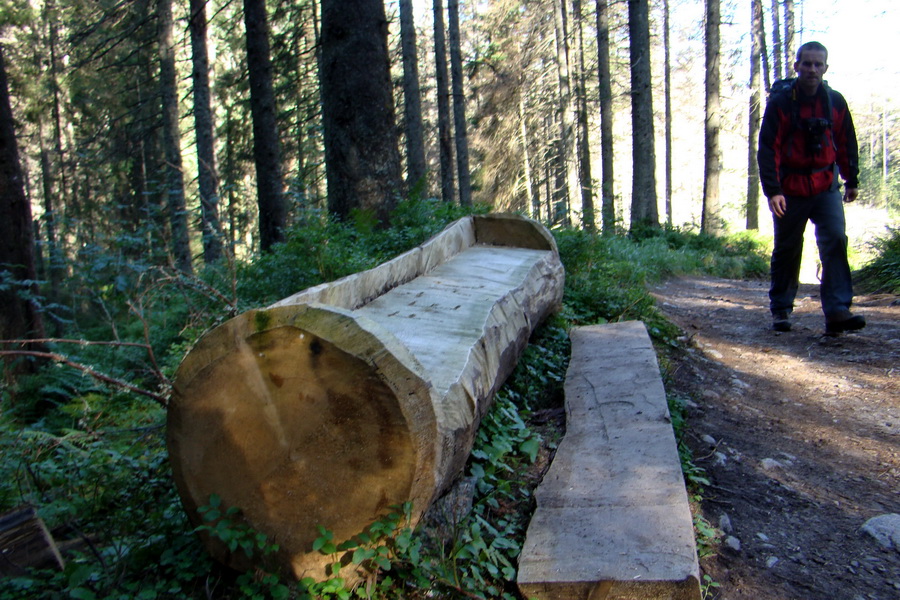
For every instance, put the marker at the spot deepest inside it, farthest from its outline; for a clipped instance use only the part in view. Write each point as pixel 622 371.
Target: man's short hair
pixel 814 46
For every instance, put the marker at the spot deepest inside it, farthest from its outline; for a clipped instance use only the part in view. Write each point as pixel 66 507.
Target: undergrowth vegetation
pixel 882 274
pixel 89 452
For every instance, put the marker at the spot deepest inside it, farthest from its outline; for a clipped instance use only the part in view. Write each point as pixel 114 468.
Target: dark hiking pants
pixel 826 211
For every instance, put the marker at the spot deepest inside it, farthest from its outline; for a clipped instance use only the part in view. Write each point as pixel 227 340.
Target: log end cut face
pixel 295 430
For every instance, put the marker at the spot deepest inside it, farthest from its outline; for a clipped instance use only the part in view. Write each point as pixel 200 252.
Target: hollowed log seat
pixel 334 404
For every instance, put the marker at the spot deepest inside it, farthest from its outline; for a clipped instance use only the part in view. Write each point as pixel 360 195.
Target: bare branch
pixel 161 400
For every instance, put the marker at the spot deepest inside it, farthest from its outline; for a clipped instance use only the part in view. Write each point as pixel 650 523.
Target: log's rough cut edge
pixel 318 410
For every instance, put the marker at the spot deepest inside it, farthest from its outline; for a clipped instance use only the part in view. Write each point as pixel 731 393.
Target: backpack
pixel 782 86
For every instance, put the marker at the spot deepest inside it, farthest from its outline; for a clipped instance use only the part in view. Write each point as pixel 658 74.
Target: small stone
pixel 733 543
pixel 770 464
pixel 712 395
pixel 708 439
pixel 720 459
pixel 885 529
pixel 725 523
pixel 762 537
pixel 771 561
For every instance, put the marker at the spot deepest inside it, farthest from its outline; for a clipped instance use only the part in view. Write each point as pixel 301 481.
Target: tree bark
pixel 667 84
pixel 362 159
pixel 764 52
pixel 442 89
pixel 756 38
pixel 790 46
pixel 711 220
pixel 266 144
pixel 567 187
pixel 341 401
pixel 412 101
pixel 776 39
pixel 208 177
pixel 459 106
pixel 607 180
pixel 55 200
pixel 532 189
pixel 178 217
pixel 20 317
pixel 585 177
pixel 644 210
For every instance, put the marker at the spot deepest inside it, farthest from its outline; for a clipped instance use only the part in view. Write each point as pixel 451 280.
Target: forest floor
pixel 799 434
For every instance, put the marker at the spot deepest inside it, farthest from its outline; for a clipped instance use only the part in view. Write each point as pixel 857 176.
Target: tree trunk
pixel 607 181
pixel 756 35
pixel 266 144
pixel 208 176
pixel 55 201
pixel 584 144
pixel 790 46
pixel 54 263
pixel 763 50
pixel 20 317
pixel 776 39
pixel 337 403
pixel 567 187
pixel 667 84
pixel 362 159
pixel 532 190
pixel 412 101
pixel 885 150
pixel 711 220
pixel 178 217
pixel 448 189
pixel 459 105
pixel 644 210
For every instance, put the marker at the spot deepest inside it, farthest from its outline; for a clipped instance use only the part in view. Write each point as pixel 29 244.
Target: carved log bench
pixel 333 404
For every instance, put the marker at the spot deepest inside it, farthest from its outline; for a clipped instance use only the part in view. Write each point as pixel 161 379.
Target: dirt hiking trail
pixel 799 434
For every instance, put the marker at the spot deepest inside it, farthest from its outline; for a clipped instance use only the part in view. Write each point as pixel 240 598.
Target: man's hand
pixel 850 194
pixel 777 204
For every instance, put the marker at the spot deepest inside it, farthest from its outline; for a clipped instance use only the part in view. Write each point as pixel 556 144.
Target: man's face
pixel 810 68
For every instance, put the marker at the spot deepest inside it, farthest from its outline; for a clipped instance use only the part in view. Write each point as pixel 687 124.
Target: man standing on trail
pixel 806 138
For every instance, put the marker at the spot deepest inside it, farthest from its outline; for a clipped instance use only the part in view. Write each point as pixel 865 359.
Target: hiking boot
pixel 781 320
pixel 845 321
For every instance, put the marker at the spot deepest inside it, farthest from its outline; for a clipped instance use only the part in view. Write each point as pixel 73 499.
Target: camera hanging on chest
pixel 816 132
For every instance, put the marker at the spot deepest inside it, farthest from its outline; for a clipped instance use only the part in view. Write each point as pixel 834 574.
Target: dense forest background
pixel 137 126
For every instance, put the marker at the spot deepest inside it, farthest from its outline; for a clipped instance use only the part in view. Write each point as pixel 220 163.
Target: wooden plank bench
pixel 612 519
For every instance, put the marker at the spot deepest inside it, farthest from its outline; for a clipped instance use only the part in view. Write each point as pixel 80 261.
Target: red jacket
pixel 796 162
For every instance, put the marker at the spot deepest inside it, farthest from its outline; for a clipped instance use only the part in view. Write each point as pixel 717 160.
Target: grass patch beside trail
pixel 882 274
pixel 93 459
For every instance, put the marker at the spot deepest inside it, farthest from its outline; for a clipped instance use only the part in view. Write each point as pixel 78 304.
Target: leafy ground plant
pixel 883 273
